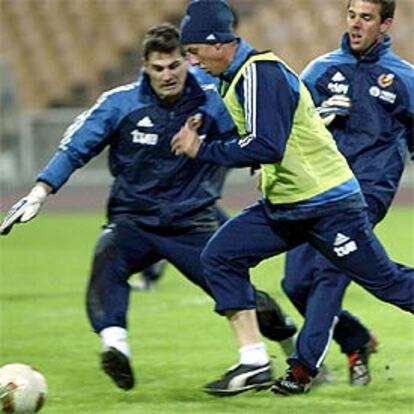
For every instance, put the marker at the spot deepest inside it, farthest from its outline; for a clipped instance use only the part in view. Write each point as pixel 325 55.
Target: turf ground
pixel 178 342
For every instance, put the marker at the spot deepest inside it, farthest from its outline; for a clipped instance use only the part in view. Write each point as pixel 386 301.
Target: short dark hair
pixel 387 7
pixel 164 38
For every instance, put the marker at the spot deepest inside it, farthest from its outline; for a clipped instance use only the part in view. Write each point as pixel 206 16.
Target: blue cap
pixel 207 21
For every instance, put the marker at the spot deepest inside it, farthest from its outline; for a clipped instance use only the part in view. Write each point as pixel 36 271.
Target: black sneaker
pixel 116 365
pixel 241 378
pixel 295 381
pixel 359 373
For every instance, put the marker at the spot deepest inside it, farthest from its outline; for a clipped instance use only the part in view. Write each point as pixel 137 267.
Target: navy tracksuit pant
pixel 125 248
pixel 310 277
pixel 343 236
pixel 307 272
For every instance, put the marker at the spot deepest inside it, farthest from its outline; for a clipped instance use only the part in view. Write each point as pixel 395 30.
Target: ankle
pixel 254 354
pixel 115 337
pixel 300 373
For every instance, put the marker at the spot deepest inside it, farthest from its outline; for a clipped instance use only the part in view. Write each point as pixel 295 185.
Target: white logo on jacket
pixel 145 122
pixel 386 96
pixel 338 88
pixel 139 137
pixel 245 141
pixel 338 77
pixel 145 138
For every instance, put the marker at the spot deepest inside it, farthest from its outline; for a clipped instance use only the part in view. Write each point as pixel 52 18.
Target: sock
pixel 116 337
pixel 300 373
pixel 254 354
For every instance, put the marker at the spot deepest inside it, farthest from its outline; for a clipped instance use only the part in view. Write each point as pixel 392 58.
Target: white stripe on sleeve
pixel 250 98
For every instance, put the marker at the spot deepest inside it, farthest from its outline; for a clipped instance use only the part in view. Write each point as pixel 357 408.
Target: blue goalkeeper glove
pixel 25 209
pixel 336 105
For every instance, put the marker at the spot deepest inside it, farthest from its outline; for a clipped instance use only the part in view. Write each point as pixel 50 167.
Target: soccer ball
pixel 23 389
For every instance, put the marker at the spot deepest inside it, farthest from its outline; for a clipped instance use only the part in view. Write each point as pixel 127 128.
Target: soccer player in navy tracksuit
pixel 160 206
pixel 309 195
pixel 151 275
pixel 366 94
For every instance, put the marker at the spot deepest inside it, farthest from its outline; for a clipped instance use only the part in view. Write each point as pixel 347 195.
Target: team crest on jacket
pixel 386 80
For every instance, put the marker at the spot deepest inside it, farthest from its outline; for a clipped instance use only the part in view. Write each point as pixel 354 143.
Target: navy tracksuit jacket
pixel 160 205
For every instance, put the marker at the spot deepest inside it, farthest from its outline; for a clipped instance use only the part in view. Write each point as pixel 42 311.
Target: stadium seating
pixel 65 52
pixel 300 30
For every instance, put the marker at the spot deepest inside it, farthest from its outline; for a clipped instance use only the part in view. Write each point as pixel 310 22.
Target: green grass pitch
pixel 178 342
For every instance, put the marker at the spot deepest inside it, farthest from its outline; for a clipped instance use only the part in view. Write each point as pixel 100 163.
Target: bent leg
pixel 304 271
pixel 362 256
pixel 238 245
pixel 183 251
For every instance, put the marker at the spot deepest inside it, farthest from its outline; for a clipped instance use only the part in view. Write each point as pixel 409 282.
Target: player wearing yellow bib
pixel 309 195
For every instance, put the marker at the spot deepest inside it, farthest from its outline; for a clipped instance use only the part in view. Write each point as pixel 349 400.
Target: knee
pixel 209 256
pixel 215 258
pixel 222 250
pixel 105 259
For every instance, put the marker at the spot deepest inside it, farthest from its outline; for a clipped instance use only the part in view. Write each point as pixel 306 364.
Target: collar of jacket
pixel 244 51
pixel 192 91
pixel 373 55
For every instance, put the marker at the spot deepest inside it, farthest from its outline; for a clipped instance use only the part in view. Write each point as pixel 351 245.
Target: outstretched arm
pixel 83 140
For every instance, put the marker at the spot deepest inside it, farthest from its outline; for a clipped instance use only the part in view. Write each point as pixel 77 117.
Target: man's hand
pixel 187 141
pixel 26 208
pixel 336 105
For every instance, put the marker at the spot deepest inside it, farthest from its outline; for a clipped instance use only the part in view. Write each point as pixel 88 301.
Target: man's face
pixel 209 57
pixel 364 25
pixel 167 73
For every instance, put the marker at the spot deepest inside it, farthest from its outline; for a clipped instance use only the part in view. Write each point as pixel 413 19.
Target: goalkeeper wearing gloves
pixel 27 208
